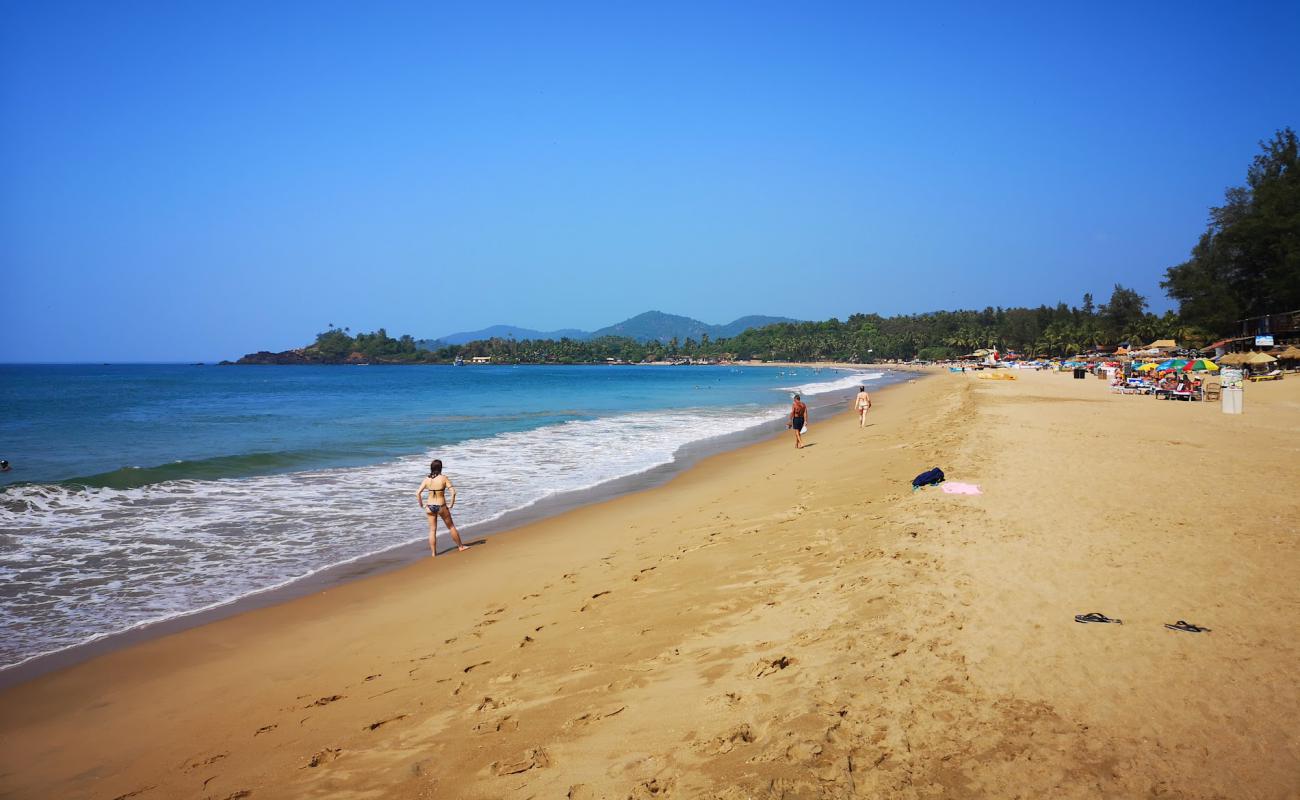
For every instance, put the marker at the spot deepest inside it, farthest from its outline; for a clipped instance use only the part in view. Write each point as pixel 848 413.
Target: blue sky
pixel 190 181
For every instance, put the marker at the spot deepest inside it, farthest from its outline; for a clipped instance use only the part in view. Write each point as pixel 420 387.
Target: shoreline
pixel 405 554
pixel 769 623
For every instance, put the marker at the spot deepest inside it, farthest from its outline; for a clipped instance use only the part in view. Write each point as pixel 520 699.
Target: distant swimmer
pixel 798 419
pixel 442 496
pixel 4 465
pixel 862 403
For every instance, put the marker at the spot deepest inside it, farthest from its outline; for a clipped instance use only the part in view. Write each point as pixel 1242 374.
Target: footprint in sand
pixel 772 667
pixel 265 729
pixel 504 724
pixel 721 745
pixel 376 725
pixel 535 758
pixel 324 757
pixel 490 704
pixel 324 701
pixel 206 761
pixel 473 667
pixel 589 717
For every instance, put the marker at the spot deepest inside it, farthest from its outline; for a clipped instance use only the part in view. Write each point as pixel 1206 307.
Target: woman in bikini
pixel 442 496
pixel 862 404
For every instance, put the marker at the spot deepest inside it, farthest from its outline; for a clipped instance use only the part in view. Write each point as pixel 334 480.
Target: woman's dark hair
pixel 796 397
pixel 862 388
pixel 435 468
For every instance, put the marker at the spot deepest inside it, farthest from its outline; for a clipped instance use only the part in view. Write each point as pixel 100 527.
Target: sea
pixel 141 494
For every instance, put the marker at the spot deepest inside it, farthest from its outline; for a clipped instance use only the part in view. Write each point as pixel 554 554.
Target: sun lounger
pixel 1274 375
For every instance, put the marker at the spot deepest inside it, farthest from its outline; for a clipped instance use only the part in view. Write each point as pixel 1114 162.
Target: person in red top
pixel 798 418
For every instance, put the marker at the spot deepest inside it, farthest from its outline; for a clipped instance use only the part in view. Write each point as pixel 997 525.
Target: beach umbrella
pixel 1258 358
pixel 1290 354
pixel 1201 365
pixel 1147 367
pixel 1173 363
pixel 1232 359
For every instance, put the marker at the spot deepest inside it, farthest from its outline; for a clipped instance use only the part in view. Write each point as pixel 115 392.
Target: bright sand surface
pixel 772 623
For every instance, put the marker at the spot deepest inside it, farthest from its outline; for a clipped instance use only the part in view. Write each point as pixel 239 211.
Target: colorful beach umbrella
pixel 1147 367
pixel 1201 365
pixel 1173 363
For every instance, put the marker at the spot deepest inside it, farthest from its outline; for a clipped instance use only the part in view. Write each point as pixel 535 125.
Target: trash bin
pixel 1231 402
pixel 1080 373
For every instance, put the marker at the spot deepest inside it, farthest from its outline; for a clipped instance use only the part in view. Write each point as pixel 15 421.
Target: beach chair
pixel 1211 390
pixel 1271 375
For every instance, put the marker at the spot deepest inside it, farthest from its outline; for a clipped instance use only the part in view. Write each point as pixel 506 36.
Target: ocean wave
pixel 839 384
pixel 215 468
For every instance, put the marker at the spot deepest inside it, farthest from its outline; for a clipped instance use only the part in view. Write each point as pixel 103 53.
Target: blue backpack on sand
pixel 928 478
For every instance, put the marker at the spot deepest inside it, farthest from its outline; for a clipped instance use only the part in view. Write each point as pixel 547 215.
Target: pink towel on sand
pixel 949 487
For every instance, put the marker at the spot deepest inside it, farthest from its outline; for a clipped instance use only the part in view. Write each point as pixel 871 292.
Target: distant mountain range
pixel 652 325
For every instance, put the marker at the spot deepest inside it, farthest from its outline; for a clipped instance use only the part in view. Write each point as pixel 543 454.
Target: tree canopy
pixel 1247 263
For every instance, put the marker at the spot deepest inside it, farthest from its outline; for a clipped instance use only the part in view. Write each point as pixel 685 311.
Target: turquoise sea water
pixel 144 492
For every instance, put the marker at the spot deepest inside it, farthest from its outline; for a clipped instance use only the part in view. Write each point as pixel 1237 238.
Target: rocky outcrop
pixel 299 356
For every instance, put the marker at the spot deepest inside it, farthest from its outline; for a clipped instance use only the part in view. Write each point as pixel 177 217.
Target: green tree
pixel 1247 263
pixel 1123 309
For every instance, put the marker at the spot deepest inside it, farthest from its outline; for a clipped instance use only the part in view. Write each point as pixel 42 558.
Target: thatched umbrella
pixel 1292 353
pixel 1233 359
pixel 1256 357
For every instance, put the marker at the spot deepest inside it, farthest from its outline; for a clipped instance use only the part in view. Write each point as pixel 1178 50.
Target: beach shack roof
pixel 1163 344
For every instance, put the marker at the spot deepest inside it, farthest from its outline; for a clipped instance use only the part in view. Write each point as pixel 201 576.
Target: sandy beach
pixel 772 623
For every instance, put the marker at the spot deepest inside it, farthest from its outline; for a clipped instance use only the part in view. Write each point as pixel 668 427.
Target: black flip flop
pixel 1180 625
pixel 1096 616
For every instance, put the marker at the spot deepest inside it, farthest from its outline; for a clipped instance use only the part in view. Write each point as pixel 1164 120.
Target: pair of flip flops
pixel 1180 625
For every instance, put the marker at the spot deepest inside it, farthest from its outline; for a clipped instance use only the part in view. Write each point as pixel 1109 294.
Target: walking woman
pixel 798 418
pixel 442 496
pixel 862 404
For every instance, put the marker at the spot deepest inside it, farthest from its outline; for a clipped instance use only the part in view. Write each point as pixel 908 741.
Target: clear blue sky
pixel 197 180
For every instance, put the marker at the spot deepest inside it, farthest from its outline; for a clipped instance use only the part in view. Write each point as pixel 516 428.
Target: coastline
pixel 414 551
pixel 768 622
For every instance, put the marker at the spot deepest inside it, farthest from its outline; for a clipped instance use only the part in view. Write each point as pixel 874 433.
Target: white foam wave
pixel 839 384
pixel 80 564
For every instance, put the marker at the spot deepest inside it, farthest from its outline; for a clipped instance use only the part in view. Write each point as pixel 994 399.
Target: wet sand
pixel 772 623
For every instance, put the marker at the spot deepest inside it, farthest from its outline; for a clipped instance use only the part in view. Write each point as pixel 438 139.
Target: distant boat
pixel 459 362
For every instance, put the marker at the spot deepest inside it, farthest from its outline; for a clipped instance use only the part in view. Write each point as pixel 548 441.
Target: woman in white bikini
pixel 862 403
pixel 442 496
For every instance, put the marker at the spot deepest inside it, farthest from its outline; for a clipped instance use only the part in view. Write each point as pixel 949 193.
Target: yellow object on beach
pixel 1147 367
pixel 998 376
